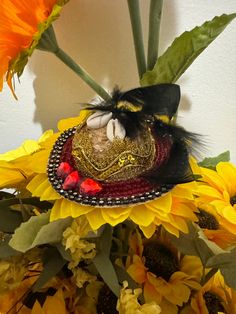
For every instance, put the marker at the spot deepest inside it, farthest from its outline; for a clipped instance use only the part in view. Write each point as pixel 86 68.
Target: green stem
pixel 65 58
pixel 208 276
pixel 48 42
pixel 134 11
pixel 154 32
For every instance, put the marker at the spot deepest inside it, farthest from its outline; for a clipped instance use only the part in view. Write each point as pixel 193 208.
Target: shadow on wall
pixel 97 35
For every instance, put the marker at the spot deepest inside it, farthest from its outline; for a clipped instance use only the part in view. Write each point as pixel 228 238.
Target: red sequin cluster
pixel 74 181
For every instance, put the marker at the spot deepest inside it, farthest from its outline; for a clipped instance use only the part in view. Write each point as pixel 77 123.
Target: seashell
pixel 98 119
pixel 115 130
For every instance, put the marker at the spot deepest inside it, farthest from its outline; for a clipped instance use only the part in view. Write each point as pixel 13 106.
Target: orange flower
pixel 22 25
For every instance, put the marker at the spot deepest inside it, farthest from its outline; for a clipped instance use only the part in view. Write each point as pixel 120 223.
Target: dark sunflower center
pixel 160 260
pixel 106 301
pixel 233 200
pixel 207 220
pixel 213 303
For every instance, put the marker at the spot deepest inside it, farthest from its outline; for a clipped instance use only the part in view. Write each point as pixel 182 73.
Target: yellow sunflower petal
pixel 227 172
pixel 162 203
pixel 212 178
pixel 208 192
pixel 10 177
pixel 67 123
pixel 40 186
pixel 229 213
pixel 63 208
pixel 171 229
pixel 95 218
pixel 115 215
pixel 185 210
pixel 137 270
pixel 148 231
pixel 141 215
pixel 38 162
pixel 28 147
pixel 183 192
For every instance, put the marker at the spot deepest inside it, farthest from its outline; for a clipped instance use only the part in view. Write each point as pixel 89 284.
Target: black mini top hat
pixel 127 151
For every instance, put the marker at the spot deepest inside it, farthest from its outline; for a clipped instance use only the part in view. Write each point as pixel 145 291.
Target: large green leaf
pixel 211 162
pixel 53 262
pixel 195 243
pixel 25 235
pixel 9 219
pixel 184 50
pixel 37 231
pixel 6 250
pixel 226 263
pixel 103 263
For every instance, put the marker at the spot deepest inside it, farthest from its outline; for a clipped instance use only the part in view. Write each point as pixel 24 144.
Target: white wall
pixel 97 35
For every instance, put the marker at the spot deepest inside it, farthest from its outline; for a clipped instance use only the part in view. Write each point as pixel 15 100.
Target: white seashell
pixel 98 119
pixel 115 130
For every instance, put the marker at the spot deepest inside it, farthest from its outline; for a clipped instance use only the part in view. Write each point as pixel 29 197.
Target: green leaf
pixel 37 231
pixel 52 232
pixel 103 263
pixel 6 250
pixel 53 263
pixel 227 264
pixel 194 243
pixel 9 219
pixel 62 250
pixel 25 235
pixel 34 201
pixel 184 50
pixel 211 162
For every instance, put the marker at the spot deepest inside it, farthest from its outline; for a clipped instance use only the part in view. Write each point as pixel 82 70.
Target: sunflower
pixel 210 223
pixel 22 25
pixel 14 165
pixel 162 274
pixel 218 188
pixel 214 297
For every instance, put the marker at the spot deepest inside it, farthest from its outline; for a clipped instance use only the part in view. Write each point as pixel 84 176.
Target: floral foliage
pixel 173 251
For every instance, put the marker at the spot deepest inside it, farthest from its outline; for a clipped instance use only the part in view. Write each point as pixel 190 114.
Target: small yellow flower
pixel 81 276
pixel 79 248
pixel 219 190
pixel 22 25
pixel 128 303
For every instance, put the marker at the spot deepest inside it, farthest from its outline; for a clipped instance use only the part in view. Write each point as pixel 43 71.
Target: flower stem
pixel 134 11
pixel 208 276
pixel 48 42
pixel 154 32
pixel 65 58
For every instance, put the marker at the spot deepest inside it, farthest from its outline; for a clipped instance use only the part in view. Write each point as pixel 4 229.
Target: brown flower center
pixel 233 200
pixel 207 220
pixel 106 301
pixel 213 303
pixel 160 260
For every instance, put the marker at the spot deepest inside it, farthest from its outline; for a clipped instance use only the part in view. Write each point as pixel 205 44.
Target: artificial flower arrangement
pixel 112 213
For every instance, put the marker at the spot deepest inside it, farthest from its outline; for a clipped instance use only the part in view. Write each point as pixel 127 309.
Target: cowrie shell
pixel 115 130
pixel 98 119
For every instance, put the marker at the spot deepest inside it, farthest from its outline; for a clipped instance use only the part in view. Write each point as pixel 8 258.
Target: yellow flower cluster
pixel 12 273
pixel 73 241
pixel 128 302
